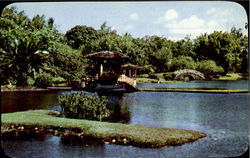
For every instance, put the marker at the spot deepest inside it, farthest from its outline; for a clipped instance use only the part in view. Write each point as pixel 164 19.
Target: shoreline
pixel 186 90
pixel 193 90
pixel 103 132
pixel 33 89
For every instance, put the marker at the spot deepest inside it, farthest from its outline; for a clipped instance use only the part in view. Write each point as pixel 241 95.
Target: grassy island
pixel 105 132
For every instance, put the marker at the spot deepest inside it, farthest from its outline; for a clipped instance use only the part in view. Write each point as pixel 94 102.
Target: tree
pixel 81 35
pixel 162 59
pixel 19 50
pixel 30 47
pixel 183 62
pixel 209 68
pixel 67 63
pixel 184 47
pixel 222 47
pixel 50 23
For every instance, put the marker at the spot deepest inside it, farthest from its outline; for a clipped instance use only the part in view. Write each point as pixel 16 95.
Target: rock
pixel 21 128
pixel 125 141
pixel 56 133
pixel 51 131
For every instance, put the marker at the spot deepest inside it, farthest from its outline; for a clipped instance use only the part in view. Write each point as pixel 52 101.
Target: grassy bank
pixel 112 132
pixel 159 77
pixel 234 76
pixel 194 90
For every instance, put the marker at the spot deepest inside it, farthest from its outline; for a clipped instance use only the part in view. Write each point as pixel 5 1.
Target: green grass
pixel 150 80
pixel 234 76
pixel 145 80
pixel 136 134
pixel 229 76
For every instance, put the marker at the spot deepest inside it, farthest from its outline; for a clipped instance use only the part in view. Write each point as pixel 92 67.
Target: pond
pixel 240 84
pixel 223 117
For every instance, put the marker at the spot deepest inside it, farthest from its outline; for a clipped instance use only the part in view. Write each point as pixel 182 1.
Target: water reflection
pixel 119 112
pixel 21 101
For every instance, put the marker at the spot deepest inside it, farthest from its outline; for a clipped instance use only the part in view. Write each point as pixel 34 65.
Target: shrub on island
pixel 82 106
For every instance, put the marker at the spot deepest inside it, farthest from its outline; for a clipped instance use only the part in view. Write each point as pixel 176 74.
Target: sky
pixel 173 20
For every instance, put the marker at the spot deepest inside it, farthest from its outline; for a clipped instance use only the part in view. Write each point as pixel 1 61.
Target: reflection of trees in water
pixel 21 101
pixel 119 111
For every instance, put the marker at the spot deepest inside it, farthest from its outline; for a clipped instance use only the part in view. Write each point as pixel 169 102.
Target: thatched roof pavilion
pixel 130 70
pixel 108 68
pixel 108 63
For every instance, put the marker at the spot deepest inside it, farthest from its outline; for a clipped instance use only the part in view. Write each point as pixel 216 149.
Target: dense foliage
pixel 33 46
pixel 80 105
pixel 225 51
pixel 43 80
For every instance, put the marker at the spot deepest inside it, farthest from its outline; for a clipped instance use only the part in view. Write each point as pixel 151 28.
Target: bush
pixel 43 80
pixel 58 80
pixel 168 76
pixel 152 75
pixel 82 106
pixel 147 69
pixel 183 62
pixel 209 68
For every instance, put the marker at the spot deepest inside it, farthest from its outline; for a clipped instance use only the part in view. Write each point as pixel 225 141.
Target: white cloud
pixel 212 24
pixel 134 16
pixel 170 15
pixel 192 25
pixel 192 22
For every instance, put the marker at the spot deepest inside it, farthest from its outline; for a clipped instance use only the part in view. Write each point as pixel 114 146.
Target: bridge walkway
pixel 125 79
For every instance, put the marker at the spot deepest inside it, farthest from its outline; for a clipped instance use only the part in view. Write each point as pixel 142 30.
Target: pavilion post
pixel 101 69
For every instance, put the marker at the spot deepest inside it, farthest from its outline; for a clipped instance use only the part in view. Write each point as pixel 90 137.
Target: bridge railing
pixel 126 79
pixel 183 71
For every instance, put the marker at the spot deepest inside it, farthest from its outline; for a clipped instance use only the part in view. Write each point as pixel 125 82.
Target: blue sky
pixel 173 20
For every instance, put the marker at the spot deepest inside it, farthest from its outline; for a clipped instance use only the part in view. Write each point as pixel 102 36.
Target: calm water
pixel 242 84
pixel 223 117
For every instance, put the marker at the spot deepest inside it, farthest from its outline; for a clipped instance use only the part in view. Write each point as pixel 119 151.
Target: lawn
pixel 137 135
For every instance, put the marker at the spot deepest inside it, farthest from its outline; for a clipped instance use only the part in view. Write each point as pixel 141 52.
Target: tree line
pixel 34 52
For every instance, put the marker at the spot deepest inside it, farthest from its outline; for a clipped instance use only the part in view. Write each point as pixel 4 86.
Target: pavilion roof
pixel 107 55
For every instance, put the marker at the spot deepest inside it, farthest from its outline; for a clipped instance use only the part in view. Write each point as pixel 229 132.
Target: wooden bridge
pixel 125 79
pixel 194 74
